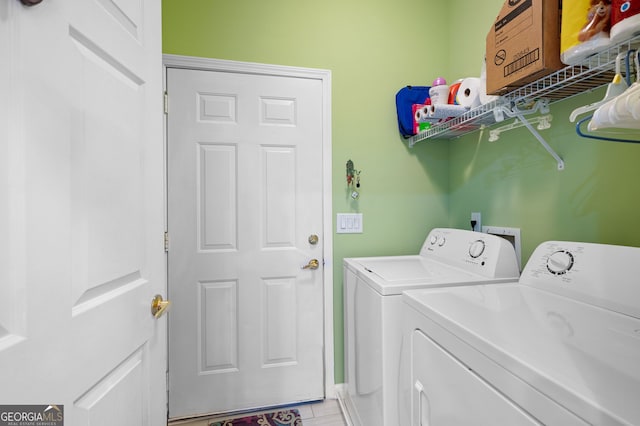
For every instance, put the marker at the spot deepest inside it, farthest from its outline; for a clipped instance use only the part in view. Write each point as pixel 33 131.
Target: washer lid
pixel 584 357
pixel 391 275
pixel 407 268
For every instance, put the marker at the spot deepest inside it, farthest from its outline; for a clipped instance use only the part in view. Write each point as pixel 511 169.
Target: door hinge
pixel 166 103
pixel 166 242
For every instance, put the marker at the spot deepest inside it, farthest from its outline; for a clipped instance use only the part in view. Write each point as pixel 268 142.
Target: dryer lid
pixel 582 356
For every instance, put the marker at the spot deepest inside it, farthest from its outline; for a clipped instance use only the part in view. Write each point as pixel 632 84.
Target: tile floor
pixel 322 413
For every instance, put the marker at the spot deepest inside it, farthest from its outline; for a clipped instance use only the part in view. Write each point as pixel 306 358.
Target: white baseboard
pixel 341 392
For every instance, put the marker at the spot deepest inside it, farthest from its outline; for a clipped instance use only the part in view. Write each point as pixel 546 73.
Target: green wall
pixel 515 182
pixel 372 49
pixel 469 22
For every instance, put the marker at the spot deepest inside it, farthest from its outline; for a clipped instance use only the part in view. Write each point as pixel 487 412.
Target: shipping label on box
pixel 515 22
pixel 523 44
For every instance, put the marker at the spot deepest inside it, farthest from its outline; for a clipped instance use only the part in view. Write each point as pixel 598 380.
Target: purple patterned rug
pixel 274 418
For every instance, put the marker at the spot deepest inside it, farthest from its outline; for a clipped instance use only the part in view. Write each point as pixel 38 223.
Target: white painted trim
pixel 341 395
pixel 189 62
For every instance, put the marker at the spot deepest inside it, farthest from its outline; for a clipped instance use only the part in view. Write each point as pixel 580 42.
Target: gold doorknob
pixel 313 264
pixel 159 306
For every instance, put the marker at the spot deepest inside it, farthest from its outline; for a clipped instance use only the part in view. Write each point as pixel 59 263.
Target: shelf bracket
pixel 542 106
pixel 544 143
pixel 543 122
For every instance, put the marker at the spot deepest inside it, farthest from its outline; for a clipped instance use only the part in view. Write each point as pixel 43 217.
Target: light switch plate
pixel 349 223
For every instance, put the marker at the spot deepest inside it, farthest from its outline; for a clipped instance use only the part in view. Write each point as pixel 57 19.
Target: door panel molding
pixel 81 199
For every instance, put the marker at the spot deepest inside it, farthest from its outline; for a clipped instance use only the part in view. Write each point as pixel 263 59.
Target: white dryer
pixel 373 305
pixel 559 347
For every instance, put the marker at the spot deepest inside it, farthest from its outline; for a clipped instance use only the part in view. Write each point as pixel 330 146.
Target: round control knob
pixel 441 241
pixel 434 239
pixel 476 248
pixel 560 262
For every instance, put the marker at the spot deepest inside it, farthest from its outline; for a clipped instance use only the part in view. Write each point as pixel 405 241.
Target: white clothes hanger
pixel 617 86
pixel 618 112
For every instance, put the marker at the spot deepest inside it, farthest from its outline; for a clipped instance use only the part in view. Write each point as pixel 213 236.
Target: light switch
pixel 349 223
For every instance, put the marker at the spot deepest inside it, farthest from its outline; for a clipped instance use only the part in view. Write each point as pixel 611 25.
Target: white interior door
pixel 81 210
pixel 245 198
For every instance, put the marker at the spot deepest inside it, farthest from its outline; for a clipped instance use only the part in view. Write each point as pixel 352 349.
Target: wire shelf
pixel 593 72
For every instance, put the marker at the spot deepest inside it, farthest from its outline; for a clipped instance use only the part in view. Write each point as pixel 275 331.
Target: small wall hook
pixel 353 175
pixel 353 179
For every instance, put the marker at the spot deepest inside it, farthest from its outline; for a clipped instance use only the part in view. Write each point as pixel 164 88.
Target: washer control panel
pixel 478 252
pixel 439 240
pixel 476 249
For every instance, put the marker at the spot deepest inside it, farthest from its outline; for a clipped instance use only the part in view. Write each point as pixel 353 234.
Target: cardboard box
pixel 523 44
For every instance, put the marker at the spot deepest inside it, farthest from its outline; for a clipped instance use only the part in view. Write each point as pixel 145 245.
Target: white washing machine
pixel 559 347
pixel 373 305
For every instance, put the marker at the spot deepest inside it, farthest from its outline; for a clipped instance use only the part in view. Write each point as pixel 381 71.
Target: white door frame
pixel 195 63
